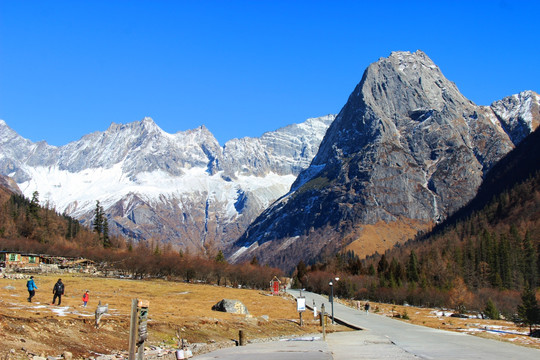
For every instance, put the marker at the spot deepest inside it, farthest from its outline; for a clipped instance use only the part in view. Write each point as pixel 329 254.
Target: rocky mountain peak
pixel 518 114
pixel 407 147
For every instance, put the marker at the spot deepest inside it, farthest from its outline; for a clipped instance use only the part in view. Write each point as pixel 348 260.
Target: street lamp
pixel 332 297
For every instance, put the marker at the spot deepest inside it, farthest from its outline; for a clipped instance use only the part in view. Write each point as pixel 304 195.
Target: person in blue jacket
pixel 31 286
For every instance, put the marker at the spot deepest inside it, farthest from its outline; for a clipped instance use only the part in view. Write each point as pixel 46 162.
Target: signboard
pixel 301 304
pixel 274 285
pixel 143 327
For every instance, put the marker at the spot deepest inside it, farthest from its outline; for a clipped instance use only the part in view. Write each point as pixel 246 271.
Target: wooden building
pixel 18 259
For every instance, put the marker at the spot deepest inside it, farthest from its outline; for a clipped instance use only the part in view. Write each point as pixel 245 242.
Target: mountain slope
pixel 493 241
pixel 406 150
pixel 181 188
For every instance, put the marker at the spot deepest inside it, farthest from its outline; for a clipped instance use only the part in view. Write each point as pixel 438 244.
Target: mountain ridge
pixel 182 188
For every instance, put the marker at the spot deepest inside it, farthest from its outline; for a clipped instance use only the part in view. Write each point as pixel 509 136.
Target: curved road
pixel 386 338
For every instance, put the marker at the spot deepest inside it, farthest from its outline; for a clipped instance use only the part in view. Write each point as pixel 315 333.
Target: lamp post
pixel 332 297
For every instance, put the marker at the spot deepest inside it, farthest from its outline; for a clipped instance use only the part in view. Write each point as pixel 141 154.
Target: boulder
pixel 231 306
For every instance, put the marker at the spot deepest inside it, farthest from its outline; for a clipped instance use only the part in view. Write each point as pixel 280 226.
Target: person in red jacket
pixel 85 298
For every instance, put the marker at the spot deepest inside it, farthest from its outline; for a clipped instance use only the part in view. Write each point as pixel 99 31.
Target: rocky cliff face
pixel 181 188
pixel 407 147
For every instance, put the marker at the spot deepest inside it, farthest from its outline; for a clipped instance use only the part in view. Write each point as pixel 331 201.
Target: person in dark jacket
pixel 58 291
pixel 31 286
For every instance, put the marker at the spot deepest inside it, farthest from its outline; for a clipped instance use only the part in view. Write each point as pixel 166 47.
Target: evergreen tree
pixel 529 261
pixel 220 258
pixel 412 268
pixel 528 311
pixel 382 265
pixel 505 262
pixel 101 226
pixel 98 219
pixel 32 210
pixel 301 271
pixel 105 234
pixel 157 250
pixel 491 311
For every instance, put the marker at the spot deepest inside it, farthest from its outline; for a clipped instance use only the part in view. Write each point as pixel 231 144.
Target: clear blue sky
pixel 68 68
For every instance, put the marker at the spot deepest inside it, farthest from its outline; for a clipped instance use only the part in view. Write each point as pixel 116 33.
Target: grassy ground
pixel 175 308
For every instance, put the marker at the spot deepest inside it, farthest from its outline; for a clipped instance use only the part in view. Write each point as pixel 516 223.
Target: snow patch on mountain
pixel 78 192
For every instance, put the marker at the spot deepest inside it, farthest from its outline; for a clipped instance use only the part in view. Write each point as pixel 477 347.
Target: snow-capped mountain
pixel 181 188
pixel 406 150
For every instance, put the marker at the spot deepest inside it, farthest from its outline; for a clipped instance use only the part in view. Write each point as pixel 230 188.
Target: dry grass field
pixel 39 328
pixel 382 236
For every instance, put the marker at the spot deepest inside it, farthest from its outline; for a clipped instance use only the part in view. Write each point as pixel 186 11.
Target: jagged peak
pixel 198 131
pixel 521 99
pixel 147 123
pixel 405 60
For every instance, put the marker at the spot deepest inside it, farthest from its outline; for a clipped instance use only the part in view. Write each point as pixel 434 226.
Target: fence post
pixel 241 338
pixel 133 329
pixel 322 322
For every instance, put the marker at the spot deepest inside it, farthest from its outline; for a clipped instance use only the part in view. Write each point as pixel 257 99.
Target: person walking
pixel 85 298
pixel 31 286
pixel 366 307
pixel 58 291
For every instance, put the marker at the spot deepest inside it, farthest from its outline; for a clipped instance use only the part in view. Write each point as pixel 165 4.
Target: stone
pixel 231 306
pixel 67 355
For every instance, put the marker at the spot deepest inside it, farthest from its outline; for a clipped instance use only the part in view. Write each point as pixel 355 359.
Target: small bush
pixel 405 315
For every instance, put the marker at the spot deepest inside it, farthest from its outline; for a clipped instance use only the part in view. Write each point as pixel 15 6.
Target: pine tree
pixel 98 219
pixel 101 226
pixel 529 261
pixel 412 268
pixel 382 265
pixel 34 206
pixel 491 311
pixel 220 258
pixel 528 311
pixel 371 270
pixel 301 271
pixel 105 234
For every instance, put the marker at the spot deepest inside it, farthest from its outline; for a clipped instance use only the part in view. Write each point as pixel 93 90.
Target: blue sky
pixel 68 68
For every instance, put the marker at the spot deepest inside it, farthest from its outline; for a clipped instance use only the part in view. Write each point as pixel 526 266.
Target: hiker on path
pixel 366 307
pixel 58 291
pixel 31 286
pixel 85 298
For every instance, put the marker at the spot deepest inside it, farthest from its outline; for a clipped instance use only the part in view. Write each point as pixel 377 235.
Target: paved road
pixel 407 341
pixel 380 338
pixel 313 349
